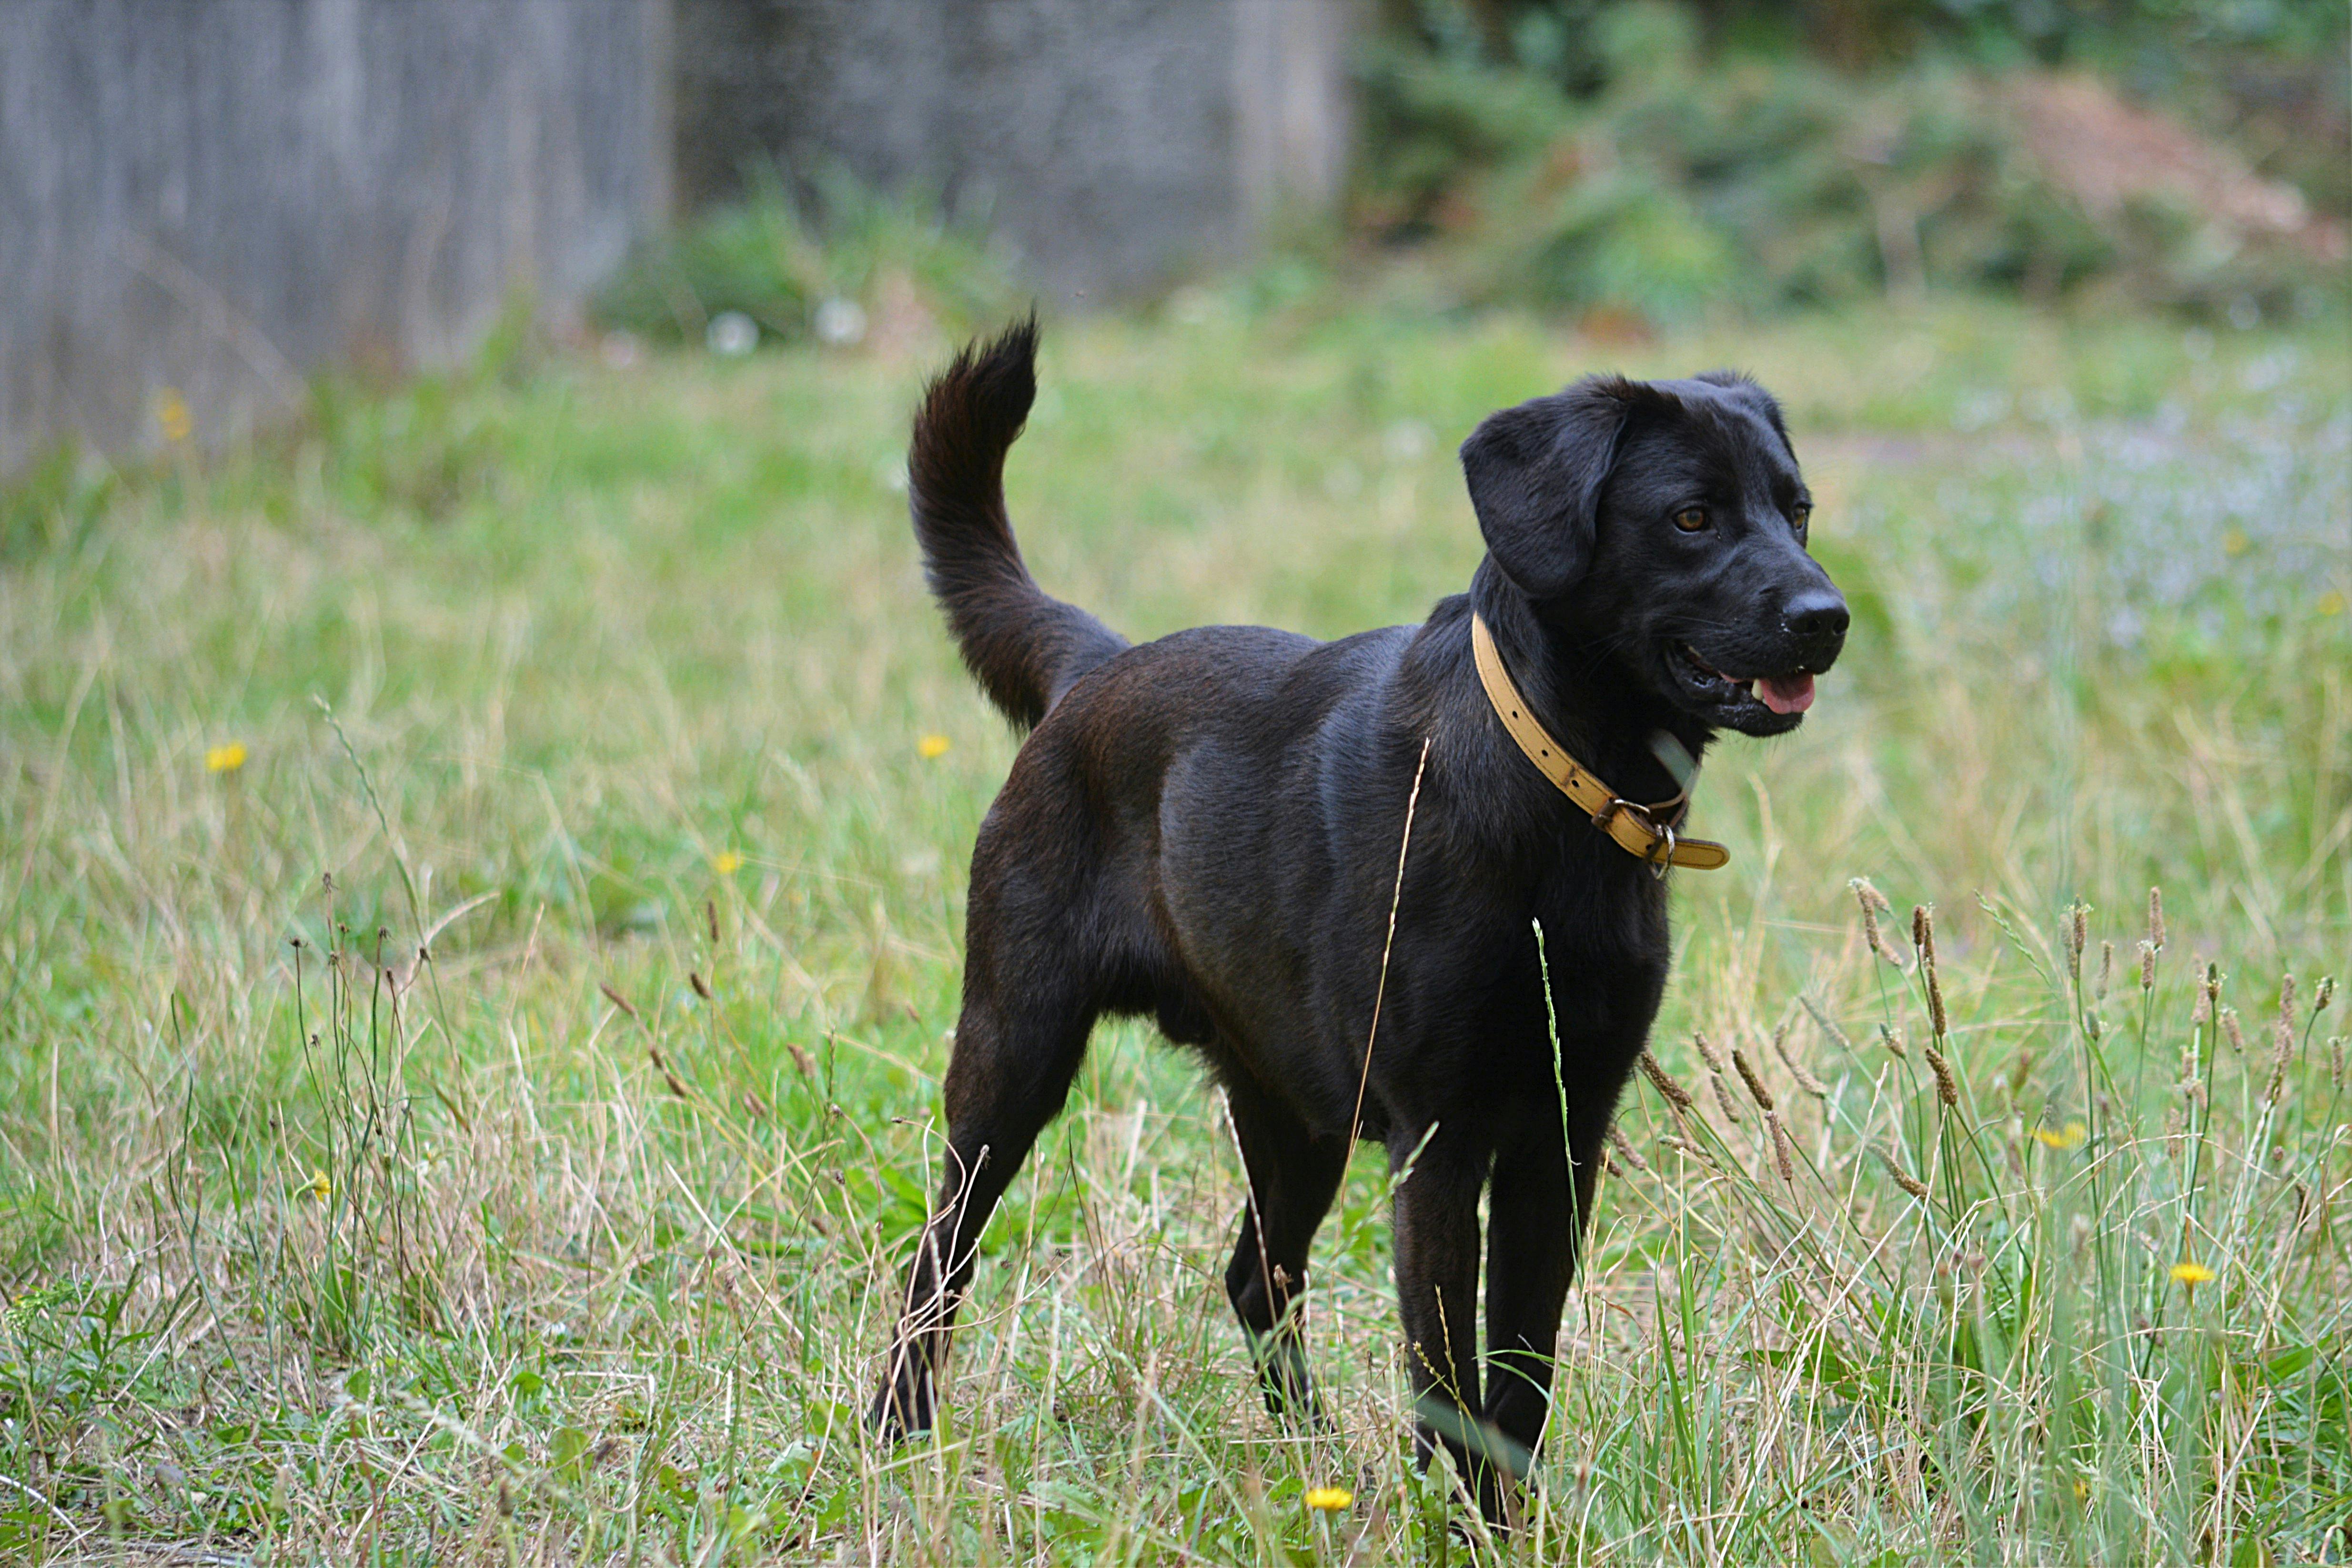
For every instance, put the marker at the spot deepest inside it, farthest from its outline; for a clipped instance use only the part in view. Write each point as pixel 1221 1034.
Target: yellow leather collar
pixel 1638 829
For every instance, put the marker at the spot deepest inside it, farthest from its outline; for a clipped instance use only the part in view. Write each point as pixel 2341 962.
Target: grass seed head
pixel 662 1067
pixel 1661 1079
pixel 1706 1052
pixel 1784 1151
pixel 2156 917
pixel 2236 1037
pixel 1684 1146
pixel 2078 934
pixel 1756 1090
pixel 2335 1061
pixel 2106 967
pixel 1729 1106
pixel 2281 1043
pixel 1891 1038
pixel 1923 937
pixel 1947 1087
pixel 1804 1076
pixel 1828 1024
pixel 1903 1178
pixel 1623 1147
pixel 1873 904
pixel 2148 965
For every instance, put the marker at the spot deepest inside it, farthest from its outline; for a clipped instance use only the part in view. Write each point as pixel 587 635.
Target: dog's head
pixel 1665 521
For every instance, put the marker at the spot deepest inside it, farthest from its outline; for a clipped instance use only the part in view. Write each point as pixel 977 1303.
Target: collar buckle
pixel 1652 836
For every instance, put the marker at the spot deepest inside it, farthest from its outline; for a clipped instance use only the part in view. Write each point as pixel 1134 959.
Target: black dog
pixel 1210 829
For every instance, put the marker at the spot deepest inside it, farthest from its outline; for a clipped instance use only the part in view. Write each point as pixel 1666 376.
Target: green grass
pixel 616 681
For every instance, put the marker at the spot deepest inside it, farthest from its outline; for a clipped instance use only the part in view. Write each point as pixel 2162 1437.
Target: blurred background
pixel 203 205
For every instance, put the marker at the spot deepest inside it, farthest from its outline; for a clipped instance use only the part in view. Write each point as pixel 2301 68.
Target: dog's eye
pixel 1802 514
pixel 1691 519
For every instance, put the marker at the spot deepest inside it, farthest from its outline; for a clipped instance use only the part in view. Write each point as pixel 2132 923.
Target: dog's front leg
pixel 1533 1228
pixel 1437 1288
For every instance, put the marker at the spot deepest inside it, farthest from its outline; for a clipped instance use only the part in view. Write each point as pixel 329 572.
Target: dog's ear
pixel 1535 474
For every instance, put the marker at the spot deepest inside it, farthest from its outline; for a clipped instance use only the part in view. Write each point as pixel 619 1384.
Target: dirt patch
pixel 2108 153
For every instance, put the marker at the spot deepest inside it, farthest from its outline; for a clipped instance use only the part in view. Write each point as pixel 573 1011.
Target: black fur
pixel 1206 829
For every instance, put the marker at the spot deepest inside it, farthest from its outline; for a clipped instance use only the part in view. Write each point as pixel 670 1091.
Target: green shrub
pixel 769 258
pixel 1684 181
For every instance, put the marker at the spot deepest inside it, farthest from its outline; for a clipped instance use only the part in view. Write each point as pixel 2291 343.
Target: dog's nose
pixel 1817 614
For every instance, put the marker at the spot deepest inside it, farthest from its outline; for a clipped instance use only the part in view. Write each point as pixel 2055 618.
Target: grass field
pixel 616 687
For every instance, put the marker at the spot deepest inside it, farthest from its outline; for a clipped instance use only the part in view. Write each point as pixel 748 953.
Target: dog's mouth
pixel 1751 703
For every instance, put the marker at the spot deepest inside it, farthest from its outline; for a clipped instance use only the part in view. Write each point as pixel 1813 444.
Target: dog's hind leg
pixel 1292 1175
pixel 1010 1073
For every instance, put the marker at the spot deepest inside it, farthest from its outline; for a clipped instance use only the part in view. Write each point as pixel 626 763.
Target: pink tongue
pixel 1786 693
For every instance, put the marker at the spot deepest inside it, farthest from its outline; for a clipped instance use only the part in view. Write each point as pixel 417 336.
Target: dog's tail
pixel 1025 647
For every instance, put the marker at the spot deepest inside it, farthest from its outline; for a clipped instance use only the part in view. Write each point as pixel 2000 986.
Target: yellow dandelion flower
pixel 2067 1137
pixel 2235 542
pixel 2189 1272
pixel 2331 603
pixel 1329 1499
pixel 931 748
pixel 225 759
pixel 727 862
pixel 318 1187
pixel 172 414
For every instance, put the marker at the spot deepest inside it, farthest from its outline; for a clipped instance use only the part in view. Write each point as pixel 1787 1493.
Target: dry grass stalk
pixel 1756 1090
pixel 1663 1081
